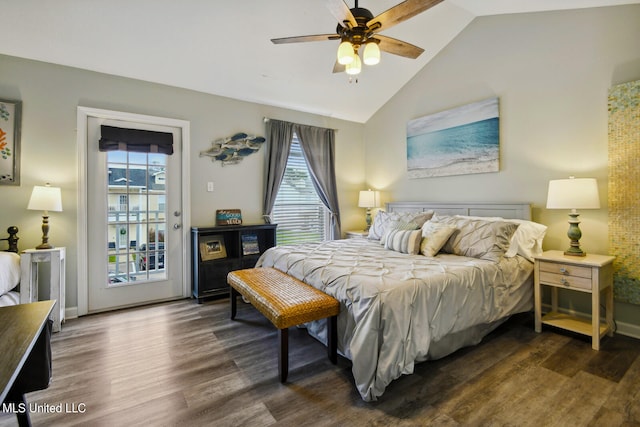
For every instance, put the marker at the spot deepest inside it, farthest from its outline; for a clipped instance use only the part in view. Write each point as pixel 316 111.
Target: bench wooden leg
pixel 332 338
pixel 232 296
pixel 283 354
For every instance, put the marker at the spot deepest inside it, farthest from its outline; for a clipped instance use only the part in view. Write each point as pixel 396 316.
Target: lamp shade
pixel 354 67
pixel 371 54
pixel 45 199
pixel 573 193
pixel 369 199
pixel 345 53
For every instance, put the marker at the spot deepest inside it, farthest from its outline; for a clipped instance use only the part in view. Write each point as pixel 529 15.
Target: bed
pixel 430 279
pixel 10 269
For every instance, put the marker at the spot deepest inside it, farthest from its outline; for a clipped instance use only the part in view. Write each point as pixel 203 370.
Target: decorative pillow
pixel 526 241
pixel 434 236
pixel 383 219
pixel 478 238
pixel 377 226
pixel 397 225
pixel 9 271
pixel 404 241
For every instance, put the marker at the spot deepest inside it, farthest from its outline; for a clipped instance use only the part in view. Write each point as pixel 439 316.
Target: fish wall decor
pixel 233 149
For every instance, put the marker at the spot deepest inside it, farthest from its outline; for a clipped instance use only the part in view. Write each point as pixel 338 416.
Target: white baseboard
pixel 622 328
pixel 628 329
pixel 70 312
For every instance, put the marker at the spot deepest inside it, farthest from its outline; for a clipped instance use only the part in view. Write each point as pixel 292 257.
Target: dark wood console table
pixel 24 338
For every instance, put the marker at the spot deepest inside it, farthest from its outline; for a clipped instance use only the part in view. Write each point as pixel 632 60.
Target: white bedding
pixel 399 309
pixel 10 298
pixel 9 272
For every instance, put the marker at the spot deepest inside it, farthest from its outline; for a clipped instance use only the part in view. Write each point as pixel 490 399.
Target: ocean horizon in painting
pixel 461 141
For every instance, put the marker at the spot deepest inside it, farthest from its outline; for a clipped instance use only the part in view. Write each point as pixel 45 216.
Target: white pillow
pixel 526 241
pixel 434 236
pixel 9 271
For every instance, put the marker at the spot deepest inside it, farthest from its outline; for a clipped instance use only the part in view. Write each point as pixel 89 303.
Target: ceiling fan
pixel 357 27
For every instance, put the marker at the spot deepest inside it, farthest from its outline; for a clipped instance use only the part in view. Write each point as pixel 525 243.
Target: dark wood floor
pixel 182 364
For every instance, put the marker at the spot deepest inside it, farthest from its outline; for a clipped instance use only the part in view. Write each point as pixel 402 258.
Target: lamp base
pixel 574 235
pixel 368 219
pixel 45 234
pixel 575 252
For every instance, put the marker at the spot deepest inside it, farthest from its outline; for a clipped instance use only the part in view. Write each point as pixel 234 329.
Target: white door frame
pixel 83 115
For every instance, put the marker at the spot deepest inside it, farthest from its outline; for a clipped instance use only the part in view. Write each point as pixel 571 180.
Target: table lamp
pixel 573 193
pixel 369 199
pixel 45 198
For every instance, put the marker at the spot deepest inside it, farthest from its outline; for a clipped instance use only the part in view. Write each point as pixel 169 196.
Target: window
pixel 298 211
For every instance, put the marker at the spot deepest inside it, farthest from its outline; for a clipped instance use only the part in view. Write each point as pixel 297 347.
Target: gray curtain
pixel 279 136
pixel 318 146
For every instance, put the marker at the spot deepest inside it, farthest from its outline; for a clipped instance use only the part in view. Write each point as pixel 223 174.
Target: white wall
pixel 51 95
pixel 552 73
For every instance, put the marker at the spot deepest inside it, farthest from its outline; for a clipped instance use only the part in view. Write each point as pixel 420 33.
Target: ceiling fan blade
pixel 301 39
pixel 400 12
pixel 338 67
pixel 341 12
pixel 398 47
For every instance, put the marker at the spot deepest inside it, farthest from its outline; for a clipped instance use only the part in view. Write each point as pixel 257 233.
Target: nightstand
pixel 357 234
pixel 591 274
pixel 56 260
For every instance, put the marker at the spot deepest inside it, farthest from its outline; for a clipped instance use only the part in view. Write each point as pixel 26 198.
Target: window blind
pixel 299 213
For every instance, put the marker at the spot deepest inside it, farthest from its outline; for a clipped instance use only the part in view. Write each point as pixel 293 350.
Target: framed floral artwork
pixel 10 116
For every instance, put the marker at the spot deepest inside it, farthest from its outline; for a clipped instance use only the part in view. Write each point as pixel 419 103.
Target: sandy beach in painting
pixel 460 168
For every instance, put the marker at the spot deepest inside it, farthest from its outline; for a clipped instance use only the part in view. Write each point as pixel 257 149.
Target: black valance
pixel 137 140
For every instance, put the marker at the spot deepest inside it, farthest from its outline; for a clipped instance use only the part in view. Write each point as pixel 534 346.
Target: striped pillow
pixel 404 241
pixel 395 226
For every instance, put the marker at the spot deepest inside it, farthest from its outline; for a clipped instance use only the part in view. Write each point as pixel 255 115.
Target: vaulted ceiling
pixel 224 47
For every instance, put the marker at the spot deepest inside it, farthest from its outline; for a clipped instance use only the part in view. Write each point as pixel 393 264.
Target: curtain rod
pixel 266 119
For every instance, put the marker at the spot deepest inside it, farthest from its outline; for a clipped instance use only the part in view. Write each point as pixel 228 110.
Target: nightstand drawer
pixel 565 269
pixel 564 280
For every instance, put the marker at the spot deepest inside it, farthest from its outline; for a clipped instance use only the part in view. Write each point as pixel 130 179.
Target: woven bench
pixel 285 301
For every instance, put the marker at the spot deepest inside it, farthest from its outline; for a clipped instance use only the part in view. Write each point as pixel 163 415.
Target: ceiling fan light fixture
pixel 345 53
pixel 371 54
pixel 354 67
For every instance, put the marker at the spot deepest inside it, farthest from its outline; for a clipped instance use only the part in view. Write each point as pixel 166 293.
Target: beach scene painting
pixel 460 141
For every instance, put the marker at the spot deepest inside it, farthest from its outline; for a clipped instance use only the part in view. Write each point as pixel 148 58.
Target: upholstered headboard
pixel 504 210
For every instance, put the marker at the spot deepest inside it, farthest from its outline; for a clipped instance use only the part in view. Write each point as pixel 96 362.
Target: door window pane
pixel 137 217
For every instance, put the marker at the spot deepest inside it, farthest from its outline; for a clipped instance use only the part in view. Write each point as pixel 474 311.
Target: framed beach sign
pixel 460 141
pixel 228 217
pixel 10 115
